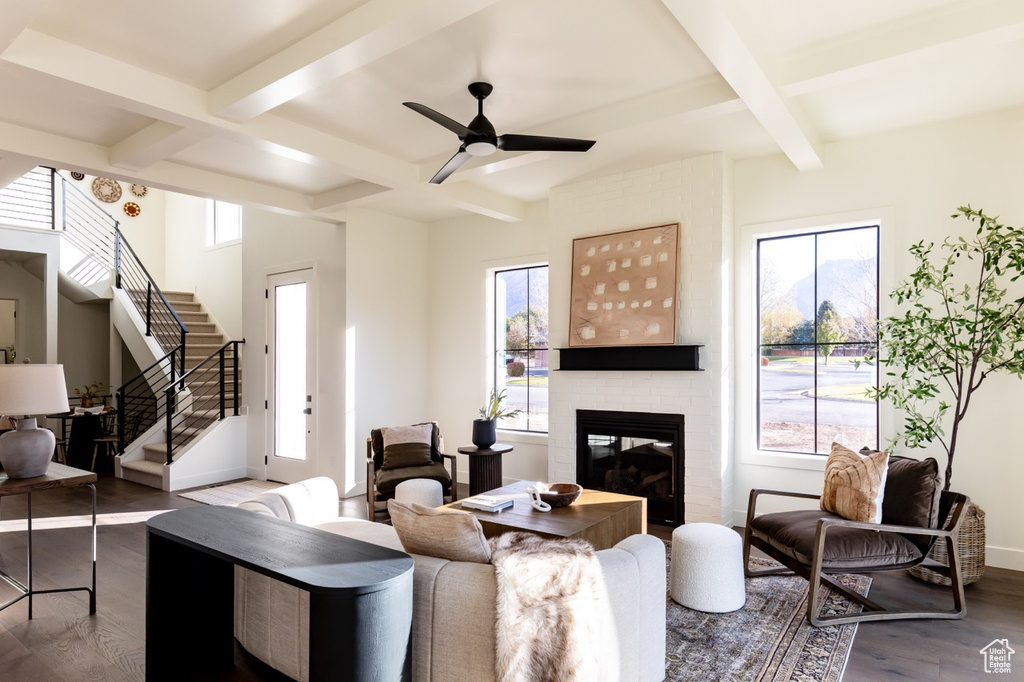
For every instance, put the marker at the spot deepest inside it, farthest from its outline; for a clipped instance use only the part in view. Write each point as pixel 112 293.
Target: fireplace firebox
pixel 633 453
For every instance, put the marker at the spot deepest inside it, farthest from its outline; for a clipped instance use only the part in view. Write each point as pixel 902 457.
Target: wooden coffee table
pixel 600 517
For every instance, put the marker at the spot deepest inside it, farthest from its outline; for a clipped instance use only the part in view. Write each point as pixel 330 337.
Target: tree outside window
pixel 817 304
pixel 521 345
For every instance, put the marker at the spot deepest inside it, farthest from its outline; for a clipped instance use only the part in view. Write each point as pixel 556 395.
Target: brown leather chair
pixel 381 482
pixel 816 544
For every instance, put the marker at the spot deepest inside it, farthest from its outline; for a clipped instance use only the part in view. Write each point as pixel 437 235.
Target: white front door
pixel 291 376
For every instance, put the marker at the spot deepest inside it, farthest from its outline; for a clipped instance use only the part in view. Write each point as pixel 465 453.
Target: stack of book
pixel 488 503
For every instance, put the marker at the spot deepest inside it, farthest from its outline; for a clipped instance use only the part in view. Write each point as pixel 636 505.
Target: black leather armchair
pixel 816 544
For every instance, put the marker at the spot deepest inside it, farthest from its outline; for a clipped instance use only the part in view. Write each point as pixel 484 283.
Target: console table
pixel 484 466
pixel 56 476
pixel 360 595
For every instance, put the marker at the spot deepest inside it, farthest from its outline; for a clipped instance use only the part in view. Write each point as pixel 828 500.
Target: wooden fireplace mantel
pixel 631 358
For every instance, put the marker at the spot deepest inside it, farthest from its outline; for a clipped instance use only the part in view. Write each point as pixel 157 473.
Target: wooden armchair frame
pixel 951 507
pixel 374 505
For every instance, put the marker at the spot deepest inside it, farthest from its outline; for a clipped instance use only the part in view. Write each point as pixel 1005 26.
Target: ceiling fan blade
pixel 461 157
pixel 439 118
pixel 540 143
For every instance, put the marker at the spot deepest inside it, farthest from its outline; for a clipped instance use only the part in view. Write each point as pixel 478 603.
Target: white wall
pixel 920 175
pixel 213 273
pixel 27 290
pixel 38 314
pixel 277 243
pixel 387 319
pixel 460 254
pixel 82 342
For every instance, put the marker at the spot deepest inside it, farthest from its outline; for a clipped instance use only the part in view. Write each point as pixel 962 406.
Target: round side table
pixel 484 466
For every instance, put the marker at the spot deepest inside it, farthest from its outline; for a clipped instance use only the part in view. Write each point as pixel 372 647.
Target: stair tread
pixel 145 466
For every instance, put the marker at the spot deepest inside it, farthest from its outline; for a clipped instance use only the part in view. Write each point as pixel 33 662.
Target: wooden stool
pixel 108 442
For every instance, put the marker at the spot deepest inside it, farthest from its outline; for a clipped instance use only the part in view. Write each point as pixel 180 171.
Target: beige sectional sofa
pixel 454 602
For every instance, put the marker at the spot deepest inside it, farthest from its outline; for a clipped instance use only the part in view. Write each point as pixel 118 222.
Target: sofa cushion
pixel 792 533
pixel 444 533
pixel 388 479
pixel 377 444
pixel 855 484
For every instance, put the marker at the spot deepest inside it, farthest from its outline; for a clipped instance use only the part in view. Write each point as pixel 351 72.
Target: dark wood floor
pixel 63 642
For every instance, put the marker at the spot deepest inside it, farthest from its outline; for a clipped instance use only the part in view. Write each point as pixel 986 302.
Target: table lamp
pixel 27 390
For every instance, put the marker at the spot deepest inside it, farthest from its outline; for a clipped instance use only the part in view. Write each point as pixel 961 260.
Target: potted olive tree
pixel 958 327
pixel 485 429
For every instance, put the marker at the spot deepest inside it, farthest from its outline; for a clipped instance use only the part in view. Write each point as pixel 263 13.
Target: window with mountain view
pixel 521 345
pixel 817 307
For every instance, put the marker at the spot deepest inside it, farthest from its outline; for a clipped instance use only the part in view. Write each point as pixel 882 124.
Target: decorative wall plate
pixel 75 175
pixel 106 190
pixel 132 209
pixel 139 190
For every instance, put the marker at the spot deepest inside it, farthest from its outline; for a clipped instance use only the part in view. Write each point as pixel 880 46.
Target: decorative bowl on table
pixel 561 494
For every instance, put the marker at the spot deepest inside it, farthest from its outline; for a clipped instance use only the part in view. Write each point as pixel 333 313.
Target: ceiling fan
pixel 479 138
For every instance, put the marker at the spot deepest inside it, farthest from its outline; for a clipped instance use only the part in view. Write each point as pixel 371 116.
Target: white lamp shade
pixel 32 389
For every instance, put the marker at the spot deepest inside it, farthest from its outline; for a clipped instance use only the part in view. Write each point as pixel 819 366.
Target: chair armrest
pixel 959 505
pixel 455 471
pixel 757 492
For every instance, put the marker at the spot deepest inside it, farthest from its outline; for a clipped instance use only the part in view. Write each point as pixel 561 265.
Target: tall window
pixel 521 345
pixel 223 222
pixel 817 307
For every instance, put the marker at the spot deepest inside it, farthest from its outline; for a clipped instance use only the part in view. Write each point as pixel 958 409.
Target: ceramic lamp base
pixel 26 452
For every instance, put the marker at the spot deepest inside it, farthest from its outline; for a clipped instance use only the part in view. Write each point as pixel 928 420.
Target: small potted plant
pixel 485 429
pixel 91 393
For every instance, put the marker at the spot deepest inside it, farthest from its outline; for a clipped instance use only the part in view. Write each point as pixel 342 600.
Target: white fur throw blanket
pixel 551 610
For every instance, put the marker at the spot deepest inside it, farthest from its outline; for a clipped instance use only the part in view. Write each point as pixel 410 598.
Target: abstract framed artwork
pixel 624 288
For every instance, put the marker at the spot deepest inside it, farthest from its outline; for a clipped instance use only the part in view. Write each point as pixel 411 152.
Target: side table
pixel 484 466
pixel 56 476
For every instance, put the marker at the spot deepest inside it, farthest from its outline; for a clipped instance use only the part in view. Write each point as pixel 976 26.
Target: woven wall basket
pixel 970 546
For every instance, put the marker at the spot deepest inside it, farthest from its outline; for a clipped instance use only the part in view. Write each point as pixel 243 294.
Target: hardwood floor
pixel 64 643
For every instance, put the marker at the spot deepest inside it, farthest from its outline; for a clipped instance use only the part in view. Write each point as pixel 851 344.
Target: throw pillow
pixel 855 484
pixel 443 533
pixel 377 444
pixel 407 446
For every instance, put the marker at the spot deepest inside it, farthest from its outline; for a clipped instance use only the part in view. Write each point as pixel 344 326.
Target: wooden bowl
pixel 561 494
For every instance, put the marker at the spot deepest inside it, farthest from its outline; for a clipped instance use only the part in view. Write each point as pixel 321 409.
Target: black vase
pixel 485 433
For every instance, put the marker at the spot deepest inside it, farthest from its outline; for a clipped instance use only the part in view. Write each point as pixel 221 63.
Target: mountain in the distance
pixel 848 283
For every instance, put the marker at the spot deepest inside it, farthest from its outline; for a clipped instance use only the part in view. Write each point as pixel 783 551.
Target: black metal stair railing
pixel 43 198
pixel 213 392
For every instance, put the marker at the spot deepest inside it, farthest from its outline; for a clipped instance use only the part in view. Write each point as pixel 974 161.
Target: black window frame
pixel 816 233
pixel 499 325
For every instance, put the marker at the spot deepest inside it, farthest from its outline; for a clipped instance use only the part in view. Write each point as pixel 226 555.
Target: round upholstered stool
pixel 421 491
pixel 707 568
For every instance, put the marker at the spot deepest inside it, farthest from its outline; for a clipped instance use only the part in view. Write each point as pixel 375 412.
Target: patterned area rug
pixel 231 494
pixel 768 639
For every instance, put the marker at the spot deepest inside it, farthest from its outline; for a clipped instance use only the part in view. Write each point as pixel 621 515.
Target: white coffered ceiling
pixel 296 105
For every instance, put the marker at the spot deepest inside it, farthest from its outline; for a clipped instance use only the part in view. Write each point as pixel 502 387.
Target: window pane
pixel 521 345
pixel 847 267
pixel 817 306
pixel 227 222
pixel 290 370
pixel 845 414
pixel 786 404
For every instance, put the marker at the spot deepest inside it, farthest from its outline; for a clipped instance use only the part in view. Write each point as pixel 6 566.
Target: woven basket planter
pixel 970 547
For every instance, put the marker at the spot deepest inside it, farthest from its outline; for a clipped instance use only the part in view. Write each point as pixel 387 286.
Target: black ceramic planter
pixel 485 433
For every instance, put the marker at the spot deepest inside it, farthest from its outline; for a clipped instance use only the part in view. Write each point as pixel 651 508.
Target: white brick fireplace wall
pixel 696 193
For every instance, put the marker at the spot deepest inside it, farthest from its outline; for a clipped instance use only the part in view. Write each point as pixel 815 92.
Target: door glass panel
pixel 290 370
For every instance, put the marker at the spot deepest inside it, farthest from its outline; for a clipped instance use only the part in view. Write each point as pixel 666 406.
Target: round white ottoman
pixel 707 568
pixel 421 491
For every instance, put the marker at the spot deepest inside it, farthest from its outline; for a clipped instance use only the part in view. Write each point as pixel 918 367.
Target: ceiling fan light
pixel 481 148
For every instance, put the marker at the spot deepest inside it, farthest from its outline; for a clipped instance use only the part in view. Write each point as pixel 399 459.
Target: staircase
pixel 198 403
pixel 191 388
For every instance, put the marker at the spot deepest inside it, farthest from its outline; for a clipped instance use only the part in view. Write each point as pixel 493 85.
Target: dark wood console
pixel 360 595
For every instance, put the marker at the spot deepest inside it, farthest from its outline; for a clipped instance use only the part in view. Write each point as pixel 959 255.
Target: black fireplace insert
pixel 633 453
